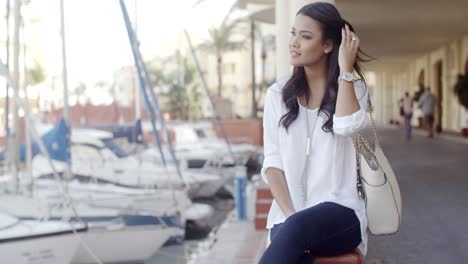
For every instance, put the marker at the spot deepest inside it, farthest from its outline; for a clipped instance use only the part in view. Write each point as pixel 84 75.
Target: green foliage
pixel 36 74
pixel 221 37
pixel 461 90
pixel 195 108
pixel 182 96
pixel 80 90
pixel 221 41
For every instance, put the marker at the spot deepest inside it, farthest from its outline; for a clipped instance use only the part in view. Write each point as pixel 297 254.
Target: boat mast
pixel 217 117
pixel 7 97
pixel 135 79
pixel 148 88
pixel 66 111
pixel 14 138
pixel 28 143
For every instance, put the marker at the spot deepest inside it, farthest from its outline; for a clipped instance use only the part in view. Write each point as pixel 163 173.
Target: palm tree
pixel 79 91
pixel 221 42
pixel 36 73
pixel 267 43
pixel 180 90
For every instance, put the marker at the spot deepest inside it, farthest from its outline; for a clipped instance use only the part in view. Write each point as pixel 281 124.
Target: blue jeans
pixel 327 229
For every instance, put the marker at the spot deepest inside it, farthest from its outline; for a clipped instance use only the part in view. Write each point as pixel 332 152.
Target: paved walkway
pixel 237 243
pixel 433 178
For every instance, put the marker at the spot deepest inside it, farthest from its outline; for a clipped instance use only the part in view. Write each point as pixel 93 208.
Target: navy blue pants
pixel 327 229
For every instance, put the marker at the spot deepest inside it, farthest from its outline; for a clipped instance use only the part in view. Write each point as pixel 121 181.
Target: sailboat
pixel 106 225
pixel 32 241
pixel 92 158
pixel 107 228
pixel 198 141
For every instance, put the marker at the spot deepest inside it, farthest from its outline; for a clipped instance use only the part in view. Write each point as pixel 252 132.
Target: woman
pixel 407 107
pixel 317 210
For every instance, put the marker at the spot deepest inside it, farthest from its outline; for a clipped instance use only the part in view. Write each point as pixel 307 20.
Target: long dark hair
pixel 331 23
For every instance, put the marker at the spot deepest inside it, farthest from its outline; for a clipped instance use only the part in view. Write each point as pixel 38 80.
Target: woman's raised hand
pixel 348 49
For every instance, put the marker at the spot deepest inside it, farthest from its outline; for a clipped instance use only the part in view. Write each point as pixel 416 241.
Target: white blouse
pixel 331 169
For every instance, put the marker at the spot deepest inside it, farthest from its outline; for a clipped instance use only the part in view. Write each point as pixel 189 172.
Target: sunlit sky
pixel 96 37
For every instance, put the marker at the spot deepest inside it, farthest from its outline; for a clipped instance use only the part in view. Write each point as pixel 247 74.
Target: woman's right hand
pixel 280 191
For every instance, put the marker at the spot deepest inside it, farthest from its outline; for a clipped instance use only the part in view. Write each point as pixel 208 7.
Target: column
pixel 283 69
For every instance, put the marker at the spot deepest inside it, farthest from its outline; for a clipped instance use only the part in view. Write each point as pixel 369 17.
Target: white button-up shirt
pixel 331 171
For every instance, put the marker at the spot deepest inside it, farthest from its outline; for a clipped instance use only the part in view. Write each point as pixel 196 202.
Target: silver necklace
pixel 308 150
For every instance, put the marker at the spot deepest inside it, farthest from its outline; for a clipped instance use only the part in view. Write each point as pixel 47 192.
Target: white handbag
pixel 377 185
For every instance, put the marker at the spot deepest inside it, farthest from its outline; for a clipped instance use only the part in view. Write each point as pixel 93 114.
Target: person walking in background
pixel 400 103
pixel 407 109
pixel 427 104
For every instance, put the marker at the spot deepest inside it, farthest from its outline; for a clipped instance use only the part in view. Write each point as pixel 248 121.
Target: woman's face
pixel 305 43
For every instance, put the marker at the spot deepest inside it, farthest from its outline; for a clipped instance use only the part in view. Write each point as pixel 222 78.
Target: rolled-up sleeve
pixel 357 121
pixel 271 117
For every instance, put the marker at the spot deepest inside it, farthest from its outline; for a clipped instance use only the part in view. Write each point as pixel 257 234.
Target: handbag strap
pixel 357 141
pixel 359 186
pixel 370 110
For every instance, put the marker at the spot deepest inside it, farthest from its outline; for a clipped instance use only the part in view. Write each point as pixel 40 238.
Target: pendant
pixel 308 142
